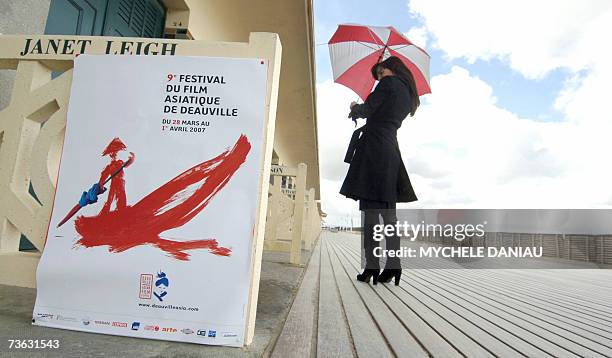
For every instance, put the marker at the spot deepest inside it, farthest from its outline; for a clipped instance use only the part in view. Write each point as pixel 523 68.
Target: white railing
pixel 293 220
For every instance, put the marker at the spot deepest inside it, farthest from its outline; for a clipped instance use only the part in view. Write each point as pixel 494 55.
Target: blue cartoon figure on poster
pixel 161 285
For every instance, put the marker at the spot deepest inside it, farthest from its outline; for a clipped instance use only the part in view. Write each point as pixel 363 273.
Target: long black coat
pixel 376 170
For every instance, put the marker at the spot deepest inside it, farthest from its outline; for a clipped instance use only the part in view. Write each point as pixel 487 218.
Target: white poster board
pixel 167 250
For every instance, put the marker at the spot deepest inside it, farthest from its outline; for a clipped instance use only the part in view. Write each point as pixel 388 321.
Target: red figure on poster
pixel 116 192
pixel 170 206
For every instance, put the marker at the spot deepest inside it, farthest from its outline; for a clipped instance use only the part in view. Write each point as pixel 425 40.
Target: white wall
pixel 19 17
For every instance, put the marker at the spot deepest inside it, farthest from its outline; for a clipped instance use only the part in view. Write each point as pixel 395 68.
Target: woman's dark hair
pixel 399 69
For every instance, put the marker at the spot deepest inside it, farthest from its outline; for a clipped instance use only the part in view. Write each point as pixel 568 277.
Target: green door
pixel 76 17
pixel 123 18
pixel 135 18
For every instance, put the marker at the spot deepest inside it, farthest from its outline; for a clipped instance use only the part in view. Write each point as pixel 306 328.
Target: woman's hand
pixel 352 115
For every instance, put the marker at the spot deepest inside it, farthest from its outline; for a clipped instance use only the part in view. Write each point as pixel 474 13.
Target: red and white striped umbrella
pixel 354 49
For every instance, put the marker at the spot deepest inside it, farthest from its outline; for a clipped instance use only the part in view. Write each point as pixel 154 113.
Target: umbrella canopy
pixel 354 49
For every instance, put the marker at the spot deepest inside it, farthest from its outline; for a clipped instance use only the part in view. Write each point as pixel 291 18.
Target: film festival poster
pixel 153 223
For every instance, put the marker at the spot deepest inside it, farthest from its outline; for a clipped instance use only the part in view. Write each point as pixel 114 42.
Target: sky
pixel 518 116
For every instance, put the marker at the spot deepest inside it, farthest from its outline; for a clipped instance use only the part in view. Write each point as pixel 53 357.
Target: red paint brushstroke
pixel 169 206
pixel 115 146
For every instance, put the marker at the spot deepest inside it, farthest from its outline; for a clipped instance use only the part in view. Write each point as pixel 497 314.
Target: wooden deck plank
pixel 549 279
pixel 298 332
pixel 581 279
pixel 445 312
pixel 578 342
pixel 569 296
pixel 526 341
pixel 367 338
pixel 458 339
pixel 548 308
pixel 596 277
pixel 333 336
pixel 561 337
pixel 433 342
pixel 577 308
pixel 566 318
pixel 400 339
pixel 571 301
pixel 464 323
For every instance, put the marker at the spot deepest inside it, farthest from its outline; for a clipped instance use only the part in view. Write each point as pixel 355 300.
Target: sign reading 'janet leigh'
pixel 153 224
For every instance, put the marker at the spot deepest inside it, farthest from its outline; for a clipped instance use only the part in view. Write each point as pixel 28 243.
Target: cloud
pixel 334 128
pixel 339 209
pixel 561 164
pixel 463 138
pixel 418 36
pixel 535 37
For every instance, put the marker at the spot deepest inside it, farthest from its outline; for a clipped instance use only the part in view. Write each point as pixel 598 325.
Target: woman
pixel 377 176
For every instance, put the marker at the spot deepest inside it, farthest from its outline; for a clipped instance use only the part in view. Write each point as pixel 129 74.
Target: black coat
pixel 376 170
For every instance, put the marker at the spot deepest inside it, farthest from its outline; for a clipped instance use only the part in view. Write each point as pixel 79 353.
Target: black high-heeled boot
pixel 367 273
pixel 388 274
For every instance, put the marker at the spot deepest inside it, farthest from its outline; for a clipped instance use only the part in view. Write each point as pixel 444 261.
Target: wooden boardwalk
pixel 445 312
